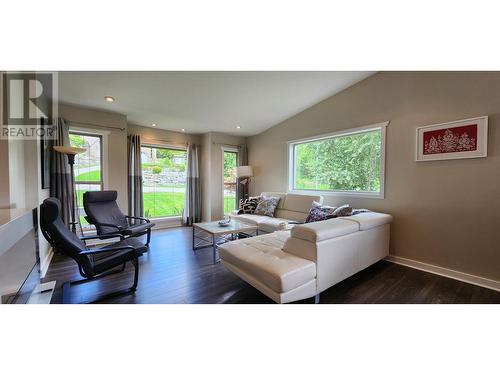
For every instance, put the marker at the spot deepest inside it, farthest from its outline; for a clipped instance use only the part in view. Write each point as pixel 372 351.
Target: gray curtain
pixel 242 189
pixel 60 176
pixel 192 202
pixel 135 203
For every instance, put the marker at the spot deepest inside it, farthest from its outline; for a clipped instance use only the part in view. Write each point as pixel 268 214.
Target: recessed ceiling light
pixel 183 130
pixel 109 98
pixel 238 127
pixel 153 124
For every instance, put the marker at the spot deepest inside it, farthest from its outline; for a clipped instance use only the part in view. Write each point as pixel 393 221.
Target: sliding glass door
pixel 229 188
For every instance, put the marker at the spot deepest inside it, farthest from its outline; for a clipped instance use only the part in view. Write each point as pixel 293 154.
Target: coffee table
pixel 216 235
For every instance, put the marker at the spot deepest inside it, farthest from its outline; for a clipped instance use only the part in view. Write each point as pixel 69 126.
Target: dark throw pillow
pixel 343 210
pixel 248 206
pixel 319 212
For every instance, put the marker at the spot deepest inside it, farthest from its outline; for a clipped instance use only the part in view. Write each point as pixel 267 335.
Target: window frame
pixel 235 151
pixel 104 148
pixel 165 147
pixel 339 193
pixel 103 136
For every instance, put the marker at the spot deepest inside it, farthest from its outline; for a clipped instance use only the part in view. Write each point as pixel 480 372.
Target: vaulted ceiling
pixel 199 102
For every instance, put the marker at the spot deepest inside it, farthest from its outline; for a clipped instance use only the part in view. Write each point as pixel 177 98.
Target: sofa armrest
pixel 324 230
pixel 368 220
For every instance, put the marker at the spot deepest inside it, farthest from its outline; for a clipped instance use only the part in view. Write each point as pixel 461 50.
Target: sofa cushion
pixel 265 223
pixel 324 230
pixel 277 195
pixel 263 258
pixel 300 203
pixel 272 224
pixel 267 206
pixel 368 220
pixel 290 215
pixel 250 218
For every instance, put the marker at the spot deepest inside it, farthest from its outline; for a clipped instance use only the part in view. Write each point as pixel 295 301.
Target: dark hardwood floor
pixel 172 273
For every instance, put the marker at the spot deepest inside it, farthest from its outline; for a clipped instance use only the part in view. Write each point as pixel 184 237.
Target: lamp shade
pixel 244 171
pixel 69 150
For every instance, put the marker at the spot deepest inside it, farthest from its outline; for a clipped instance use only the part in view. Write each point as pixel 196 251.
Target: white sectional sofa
pixel 291 207
pixel 300 263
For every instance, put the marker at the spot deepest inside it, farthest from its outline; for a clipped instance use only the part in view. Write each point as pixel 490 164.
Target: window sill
pixel 166 222
pixel 349 194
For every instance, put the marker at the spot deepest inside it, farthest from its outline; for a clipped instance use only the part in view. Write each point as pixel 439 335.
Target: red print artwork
pixel 458 139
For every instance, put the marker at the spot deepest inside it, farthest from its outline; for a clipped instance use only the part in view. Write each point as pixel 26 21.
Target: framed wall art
pixel 460 139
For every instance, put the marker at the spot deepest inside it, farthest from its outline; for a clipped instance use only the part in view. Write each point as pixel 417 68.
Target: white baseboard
pixel 165 223
pixel 446 272
pixel 42 294
pixel 45 263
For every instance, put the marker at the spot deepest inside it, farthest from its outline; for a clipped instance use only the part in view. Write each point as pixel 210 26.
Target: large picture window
pixel 164 181
pixel 88 168
pixel 348 163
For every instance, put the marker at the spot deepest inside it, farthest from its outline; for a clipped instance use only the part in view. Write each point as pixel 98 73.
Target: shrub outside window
pixel 344 163
pixel 164 181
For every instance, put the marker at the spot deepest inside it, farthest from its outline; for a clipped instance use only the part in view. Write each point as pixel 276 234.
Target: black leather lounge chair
pixel 103 212
pixel 93 263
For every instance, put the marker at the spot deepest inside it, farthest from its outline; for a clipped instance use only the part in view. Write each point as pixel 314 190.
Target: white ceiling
pixel 201 102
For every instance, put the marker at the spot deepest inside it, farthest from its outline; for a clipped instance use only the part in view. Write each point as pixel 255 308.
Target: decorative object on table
pixel 283 225
pixel 267 206
pixel 248 206
pixel 70 152
pixel 461 139
pixel 244 173
pixel 225 222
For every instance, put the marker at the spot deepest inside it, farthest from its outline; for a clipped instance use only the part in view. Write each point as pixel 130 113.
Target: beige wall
pixel 445 212
pixel 162 137
pixel 16 173
pixel 4 174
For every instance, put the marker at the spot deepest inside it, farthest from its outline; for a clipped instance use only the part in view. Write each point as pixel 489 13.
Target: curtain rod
pixel 98 125
pixel 225 144
pixel 146 139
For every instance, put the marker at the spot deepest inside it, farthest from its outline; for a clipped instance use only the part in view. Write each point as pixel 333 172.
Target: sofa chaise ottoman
pixel 300 263
pixel 291 207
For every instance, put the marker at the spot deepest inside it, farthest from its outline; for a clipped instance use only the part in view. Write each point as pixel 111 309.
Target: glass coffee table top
pixel 218 234
pixel 234 226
